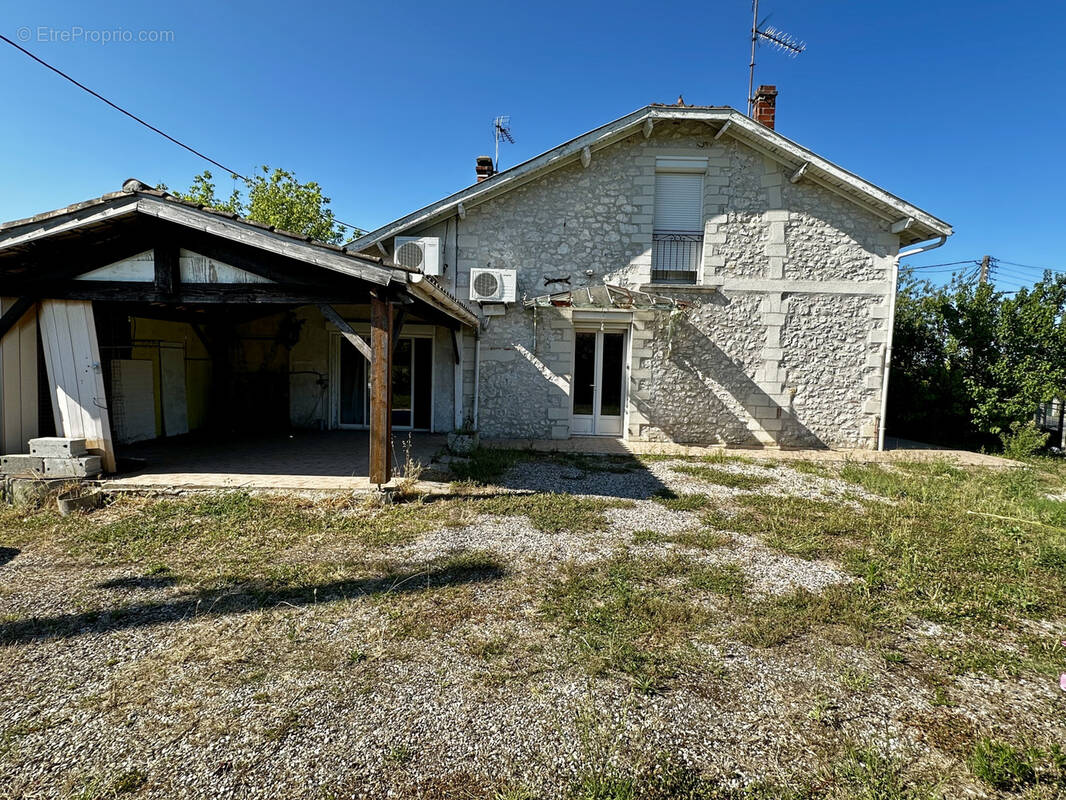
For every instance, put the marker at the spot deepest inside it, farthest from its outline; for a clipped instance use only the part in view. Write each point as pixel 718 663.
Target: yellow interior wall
pixel 197 366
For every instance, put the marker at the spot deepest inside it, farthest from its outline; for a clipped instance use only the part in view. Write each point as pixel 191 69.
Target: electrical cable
pixel 355 228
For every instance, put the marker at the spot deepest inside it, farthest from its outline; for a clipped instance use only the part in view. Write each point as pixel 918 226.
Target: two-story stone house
pixel 682 274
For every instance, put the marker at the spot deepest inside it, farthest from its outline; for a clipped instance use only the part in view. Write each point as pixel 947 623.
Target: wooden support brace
pixel 382 250
pixel 586 157
pixel 330 313
pixel 461 210
pixel 14 314
pixel 381 326
pixel 902 225
pixel 799 172
pixel 649 124
pixel 723 129
pixel 398 313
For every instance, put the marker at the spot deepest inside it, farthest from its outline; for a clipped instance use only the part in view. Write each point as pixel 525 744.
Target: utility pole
pixel 986 262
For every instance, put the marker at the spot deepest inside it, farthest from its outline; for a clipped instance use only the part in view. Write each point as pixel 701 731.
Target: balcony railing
pixel 675 256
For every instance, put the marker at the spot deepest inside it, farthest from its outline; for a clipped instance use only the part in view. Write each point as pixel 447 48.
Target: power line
pixel 120 109
pixel 947 264
pixel 140 121
pixel 1031 266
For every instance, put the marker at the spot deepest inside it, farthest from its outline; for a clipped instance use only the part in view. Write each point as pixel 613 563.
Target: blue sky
pixel 956 106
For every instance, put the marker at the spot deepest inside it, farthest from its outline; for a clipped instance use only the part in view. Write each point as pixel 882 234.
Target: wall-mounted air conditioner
pixel 493 285
pixel 418 252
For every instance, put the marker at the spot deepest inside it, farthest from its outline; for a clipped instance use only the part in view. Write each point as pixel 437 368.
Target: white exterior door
pixel 598 393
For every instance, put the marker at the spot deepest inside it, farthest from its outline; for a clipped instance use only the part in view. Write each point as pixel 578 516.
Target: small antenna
pixel 501 130
pixel 784 42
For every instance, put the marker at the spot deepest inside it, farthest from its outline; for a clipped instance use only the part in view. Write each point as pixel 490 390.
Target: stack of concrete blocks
pixel 53 457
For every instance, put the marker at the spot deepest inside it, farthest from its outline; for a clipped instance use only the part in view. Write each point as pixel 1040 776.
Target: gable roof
pixel 912 223
pixel 19 238
pixel 139 198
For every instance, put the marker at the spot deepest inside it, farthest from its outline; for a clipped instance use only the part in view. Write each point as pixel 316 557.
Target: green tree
pixel 274 197
pixel 971 363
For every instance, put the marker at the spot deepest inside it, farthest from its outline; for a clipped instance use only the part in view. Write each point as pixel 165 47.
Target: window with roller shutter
pixel 677 238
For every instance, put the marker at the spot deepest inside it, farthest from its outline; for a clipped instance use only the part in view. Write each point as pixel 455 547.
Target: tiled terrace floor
pixel 329 461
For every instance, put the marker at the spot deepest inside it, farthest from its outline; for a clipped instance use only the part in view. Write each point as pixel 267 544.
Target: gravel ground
pixel 167 698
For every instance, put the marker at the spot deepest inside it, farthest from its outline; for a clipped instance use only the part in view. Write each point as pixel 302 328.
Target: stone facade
pixel 783 340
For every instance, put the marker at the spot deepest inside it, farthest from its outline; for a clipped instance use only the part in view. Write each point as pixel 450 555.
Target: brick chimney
pixel 765 105
pixel 484 169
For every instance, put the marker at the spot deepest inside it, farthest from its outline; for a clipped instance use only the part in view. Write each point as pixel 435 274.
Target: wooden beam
pixel 203 293
pixel 723 129
pixel 330 313
pixel 799 173
pixel 14 314
pixel 649 124
pixel 586 157
pixel 167 267
pixel 381 324
pixel 382 250
pixel 461 210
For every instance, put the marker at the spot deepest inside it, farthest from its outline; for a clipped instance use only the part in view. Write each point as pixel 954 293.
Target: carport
pixel 75 280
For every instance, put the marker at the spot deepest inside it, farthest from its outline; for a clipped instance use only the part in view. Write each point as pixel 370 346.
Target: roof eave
pixel 892 208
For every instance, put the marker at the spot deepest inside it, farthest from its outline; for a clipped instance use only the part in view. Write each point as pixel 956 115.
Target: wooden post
pixel 381 335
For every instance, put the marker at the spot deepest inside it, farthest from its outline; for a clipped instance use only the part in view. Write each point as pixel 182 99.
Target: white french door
pixel 599 383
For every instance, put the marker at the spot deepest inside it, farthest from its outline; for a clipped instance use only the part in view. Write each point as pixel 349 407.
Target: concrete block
pixel 21 465
pixel 83 467
pixel 29 492
pixel 57 447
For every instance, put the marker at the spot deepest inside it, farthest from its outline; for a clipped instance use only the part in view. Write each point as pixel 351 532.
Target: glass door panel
pixel 611 374
pixel 354 396
pixel 585 374
pixel 402 383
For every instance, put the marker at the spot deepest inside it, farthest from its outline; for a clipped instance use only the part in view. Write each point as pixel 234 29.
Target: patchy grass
pixel 551 512
pixel 726 579
pixel 486 465
pixel 976 549
pixel 620 620
pixel 681 502
pixel 958 571
pixel 1011 769
pixel 722 477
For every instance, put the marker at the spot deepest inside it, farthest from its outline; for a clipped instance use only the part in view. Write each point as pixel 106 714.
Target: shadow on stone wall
pixel 697 366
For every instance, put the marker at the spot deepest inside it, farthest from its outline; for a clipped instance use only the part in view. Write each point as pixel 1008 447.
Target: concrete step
pixel 57 447
pixel 83 467
pixel 21 465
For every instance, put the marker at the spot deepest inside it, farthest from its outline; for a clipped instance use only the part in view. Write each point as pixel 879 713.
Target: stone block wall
pixel 783 342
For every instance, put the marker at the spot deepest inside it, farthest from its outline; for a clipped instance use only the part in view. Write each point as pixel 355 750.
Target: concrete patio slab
pixel 327 461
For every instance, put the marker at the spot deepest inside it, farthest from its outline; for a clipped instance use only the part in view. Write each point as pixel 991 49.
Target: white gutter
pixel 437 296
pixel 892 329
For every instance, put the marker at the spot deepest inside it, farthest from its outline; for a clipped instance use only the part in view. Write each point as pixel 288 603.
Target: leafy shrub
pixel 1023 441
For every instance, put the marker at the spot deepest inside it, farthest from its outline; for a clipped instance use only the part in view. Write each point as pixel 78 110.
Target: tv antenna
pixel 784 42
pixel 501 131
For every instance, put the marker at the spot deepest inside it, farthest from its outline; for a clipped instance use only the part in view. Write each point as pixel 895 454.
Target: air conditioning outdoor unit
pixel 493 285
pixel 418 252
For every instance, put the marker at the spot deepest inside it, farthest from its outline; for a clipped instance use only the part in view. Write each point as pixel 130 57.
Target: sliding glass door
pixel 412 385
